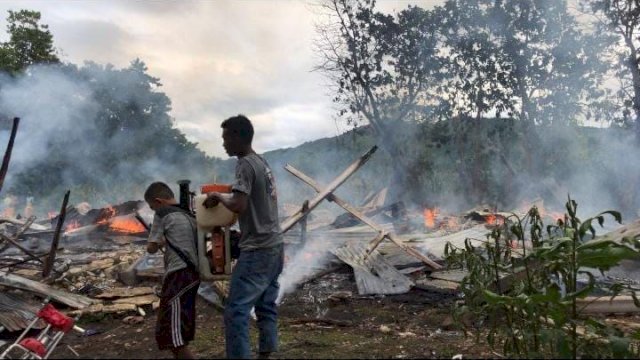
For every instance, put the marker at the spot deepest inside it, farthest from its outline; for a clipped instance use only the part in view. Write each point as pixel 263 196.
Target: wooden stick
pixel 355 212
pixel 48 264
pixel 288 223
pixel 16 244
pixel 7 153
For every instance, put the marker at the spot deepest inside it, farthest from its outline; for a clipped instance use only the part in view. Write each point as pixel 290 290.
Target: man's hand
pixel 152 247
pixel 212 200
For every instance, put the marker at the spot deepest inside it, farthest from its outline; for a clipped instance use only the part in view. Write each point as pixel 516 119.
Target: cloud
pixel 215 59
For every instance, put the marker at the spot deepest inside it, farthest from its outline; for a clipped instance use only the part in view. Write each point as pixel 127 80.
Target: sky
pixel 215 59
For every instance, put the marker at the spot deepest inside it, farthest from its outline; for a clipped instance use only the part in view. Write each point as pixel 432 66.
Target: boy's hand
pixel 212 200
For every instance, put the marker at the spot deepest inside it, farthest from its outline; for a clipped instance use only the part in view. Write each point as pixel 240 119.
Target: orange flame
pixel 126 225
pixel 430 216
pixel 493 219
pixel 72 225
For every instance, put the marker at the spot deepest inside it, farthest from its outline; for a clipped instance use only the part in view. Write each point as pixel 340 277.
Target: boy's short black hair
pixel 241 126
pixel 158 190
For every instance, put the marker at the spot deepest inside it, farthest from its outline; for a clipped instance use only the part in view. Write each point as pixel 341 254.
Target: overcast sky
pixel 215 59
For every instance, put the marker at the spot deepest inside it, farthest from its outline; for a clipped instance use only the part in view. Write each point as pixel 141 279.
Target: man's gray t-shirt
pixel 178 228
pixel 259 223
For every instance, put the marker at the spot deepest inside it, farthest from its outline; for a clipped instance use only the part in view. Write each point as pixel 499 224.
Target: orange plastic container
pixel 209 188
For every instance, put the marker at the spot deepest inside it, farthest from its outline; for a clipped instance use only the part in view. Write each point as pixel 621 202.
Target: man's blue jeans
pixel 254 282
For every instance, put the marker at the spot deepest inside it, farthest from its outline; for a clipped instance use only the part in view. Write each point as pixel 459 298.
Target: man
pixel 254 282
pixel 175 228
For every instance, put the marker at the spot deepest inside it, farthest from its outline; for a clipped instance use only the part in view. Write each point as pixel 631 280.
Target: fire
pixel 126 225
pixel 109 212
pixel 430 216
pixel 493 219
pixel 72 225
pixel 551 214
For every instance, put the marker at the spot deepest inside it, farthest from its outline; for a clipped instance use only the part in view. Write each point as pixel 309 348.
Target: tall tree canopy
pixel 29 42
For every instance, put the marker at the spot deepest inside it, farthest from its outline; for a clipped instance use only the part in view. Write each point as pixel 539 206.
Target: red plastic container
pixel 209 188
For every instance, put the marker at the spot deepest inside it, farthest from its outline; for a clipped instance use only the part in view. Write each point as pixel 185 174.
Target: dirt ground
pixel 314 323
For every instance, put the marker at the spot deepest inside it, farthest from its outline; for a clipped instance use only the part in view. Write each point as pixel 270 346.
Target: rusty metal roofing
pixel 16 312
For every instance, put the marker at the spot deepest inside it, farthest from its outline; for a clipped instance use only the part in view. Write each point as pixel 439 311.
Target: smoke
pixel 62 141
pixel 302 263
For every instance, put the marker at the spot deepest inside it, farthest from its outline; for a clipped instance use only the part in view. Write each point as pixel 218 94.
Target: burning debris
pixel 93 260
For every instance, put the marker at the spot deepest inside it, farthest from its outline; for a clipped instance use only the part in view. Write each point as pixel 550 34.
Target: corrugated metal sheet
pixel 16 312
pixel 436 246
pixel 373 275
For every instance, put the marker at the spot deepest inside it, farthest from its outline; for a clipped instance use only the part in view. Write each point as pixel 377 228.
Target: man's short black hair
pixel 241 126
pixel 158 190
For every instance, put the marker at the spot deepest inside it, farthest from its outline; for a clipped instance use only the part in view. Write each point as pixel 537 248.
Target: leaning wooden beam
pixel 7 153
pixel 48 264
pixel 288 223
pixel 355 212
pixel 24 250
pixel 69 299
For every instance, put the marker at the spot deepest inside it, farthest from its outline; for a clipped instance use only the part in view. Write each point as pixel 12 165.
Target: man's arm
pixel 236 201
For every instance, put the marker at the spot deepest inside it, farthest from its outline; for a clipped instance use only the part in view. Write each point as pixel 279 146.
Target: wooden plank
pixel 138 300
pixel 373 274
pixel 105 309
pixel 355 212
pixel 605 305
pixel 288 223
pixel 437 285
pixel 121 292
pixel 69 299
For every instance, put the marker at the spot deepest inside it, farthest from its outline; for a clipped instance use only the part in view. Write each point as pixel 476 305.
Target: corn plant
pixel 525 299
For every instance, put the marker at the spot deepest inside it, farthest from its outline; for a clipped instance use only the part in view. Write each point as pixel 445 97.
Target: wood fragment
pixel 105 309
pixel 138 300
pixel 125 292
pixel 331 322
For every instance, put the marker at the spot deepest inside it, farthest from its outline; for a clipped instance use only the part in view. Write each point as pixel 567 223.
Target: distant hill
pixel 323 159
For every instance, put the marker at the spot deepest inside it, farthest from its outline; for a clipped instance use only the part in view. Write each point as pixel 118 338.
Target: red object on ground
pixel 221 188
pixel 34 345
pixel 58 320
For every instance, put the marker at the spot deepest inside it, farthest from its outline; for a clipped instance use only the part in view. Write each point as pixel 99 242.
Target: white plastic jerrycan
pixel 207 219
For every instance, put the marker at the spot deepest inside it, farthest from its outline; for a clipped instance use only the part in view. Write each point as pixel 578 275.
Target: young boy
pixel 175 229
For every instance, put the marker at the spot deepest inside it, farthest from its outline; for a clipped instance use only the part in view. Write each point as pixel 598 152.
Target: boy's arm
pixel 156 240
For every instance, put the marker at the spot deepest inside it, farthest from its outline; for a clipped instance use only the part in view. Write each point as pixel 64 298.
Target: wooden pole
pixel 292 220
pixel 7 153
pixel 48 264
pixel 382 233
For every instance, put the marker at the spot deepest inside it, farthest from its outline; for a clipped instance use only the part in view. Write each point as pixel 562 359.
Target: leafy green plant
pixel 526 299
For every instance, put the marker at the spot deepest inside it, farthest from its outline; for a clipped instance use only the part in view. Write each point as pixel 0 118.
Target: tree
pixel 621 19
pixel 30 42
pixel 526 60
pixel 383 68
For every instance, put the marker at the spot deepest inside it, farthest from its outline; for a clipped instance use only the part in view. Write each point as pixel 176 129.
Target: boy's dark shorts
pixel 176 323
